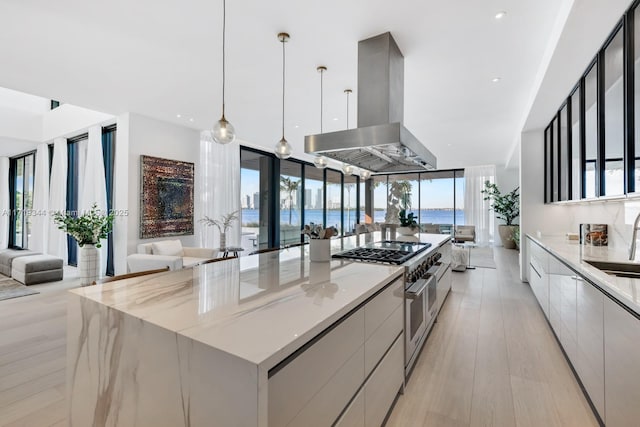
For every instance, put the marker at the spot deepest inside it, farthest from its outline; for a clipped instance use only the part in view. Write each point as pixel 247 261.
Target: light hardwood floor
pixel 491 360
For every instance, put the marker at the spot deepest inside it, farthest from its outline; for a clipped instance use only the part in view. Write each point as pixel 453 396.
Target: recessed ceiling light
pixel 501 14
pixel 496 79
pixel 191 119
pixel 296 126
pixel 335 119
pixel 178 115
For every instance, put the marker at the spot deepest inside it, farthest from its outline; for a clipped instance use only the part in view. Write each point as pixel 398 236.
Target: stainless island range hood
pixel 380 143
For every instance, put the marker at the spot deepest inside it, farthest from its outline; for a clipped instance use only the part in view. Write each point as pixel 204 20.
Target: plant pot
pixel 506 235
pixel 320 250
pixel 407 231
pixel 89 264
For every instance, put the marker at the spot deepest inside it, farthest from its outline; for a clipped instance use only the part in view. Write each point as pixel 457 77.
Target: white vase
pixel 223 241
pixel 320 250
pixel 89 264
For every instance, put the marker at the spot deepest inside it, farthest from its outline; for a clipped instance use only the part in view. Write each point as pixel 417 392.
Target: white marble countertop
pixel 259 308
pixel 625 290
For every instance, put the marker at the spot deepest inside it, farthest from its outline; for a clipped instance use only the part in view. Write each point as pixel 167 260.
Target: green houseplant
pixel 507 208
pixel 88 230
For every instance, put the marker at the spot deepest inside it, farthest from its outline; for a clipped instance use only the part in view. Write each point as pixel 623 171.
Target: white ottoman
pixel 33 269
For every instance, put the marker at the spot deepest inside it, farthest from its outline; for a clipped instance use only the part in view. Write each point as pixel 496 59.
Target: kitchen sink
pixel 620 269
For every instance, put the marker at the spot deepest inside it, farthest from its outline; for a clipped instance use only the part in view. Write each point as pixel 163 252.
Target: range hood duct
pixel 380 143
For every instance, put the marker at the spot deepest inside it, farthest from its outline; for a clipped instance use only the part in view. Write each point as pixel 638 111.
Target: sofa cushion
pixel 167 247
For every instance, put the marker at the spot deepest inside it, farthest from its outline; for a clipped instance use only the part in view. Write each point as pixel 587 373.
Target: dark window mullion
pixel 583 140
pixel 600 157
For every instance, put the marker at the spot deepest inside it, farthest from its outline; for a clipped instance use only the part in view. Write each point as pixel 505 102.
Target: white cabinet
pixel 589 361
pixel 317 383
pixel 622 366
pixel 383 385
pixel 538 277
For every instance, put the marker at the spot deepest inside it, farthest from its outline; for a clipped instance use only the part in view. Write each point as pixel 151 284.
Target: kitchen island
pixel 269 339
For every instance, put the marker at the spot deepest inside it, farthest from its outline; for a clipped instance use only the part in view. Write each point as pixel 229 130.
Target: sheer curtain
pixel 4 202
pixel 476 209
pixel 93 187
pixel 57 241
pixel 219 179
pixel 40 222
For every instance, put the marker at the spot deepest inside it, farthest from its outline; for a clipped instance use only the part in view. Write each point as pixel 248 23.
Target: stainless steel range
pixel 423 269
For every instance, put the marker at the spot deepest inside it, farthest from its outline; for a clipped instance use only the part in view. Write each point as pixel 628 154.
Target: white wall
pixel 151 137
pixel 68 120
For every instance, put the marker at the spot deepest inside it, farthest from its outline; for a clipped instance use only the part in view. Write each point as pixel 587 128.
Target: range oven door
pixel 417 317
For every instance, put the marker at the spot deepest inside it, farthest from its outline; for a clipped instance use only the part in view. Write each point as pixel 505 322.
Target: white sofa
pixel 167 253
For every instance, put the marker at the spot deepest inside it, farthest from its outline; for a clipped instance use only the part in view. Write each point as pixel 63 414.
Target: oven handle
pixel 417 289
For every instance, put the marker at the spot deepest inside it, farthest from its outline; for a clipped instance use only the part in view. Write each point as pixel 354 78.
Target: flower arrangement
pixel 317 231
pixel 87 229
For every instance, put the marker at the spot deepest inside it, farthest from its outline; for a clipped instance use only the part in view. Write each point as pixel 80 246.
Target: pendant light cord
pixel 347 110
pixel 283 64
pixel 321 97
pixel 224 28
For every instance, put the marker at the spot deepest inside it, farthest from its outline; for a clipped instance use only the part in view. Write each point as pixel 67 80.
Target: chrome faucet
pixel 632 250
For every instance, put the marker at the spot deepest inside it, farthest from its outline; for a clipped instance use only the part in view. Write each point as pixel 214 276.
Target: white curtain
pixel 93 187
pixel 476 209
pixel 219 180
pixel 40 220
pixel 4 202
pixel 57 241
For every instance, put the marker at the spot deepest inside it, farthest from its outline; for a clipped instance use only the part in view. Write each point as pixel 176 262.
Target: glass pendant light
pixel 320 161
pixel 223 131
pixel 283 148
pixel 347 169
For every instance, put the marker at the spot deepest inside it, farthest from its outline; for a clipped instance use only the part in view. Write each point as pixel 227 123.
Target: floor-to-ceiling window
pixel 291 207
pixel 350 205
pixel 257 189
pixel 437 202
pixel 379 197
pixel 313 195
pixel 334 199
pixel 22 181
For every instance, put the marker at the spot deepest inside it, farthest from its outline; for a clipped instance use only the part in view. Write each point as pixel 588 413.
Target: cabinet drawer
pixel 382 338
pixel 328 403
pixel 293 386
pixel 383 385
pixel 354 415
pixel 380 308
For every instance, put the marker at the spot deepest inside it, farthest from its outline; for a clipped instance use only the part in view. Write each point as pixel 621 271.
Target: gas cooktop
pixel 386 251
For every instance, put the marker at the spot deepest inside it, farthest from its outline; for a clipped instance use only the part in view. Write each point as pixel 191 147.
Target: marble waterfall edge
pixel 124 371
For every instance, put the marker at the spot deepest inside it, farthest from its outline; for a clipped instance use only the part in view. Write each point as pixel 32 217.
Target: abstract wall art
pixel 166 197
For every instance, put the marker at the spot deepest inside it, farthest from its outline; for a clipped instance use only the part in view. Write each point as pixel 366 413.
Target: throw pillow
pixel 167 247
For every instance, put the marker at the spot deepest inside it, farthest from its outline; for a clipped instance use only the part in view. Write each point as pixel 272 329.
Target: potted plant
pixel 516 237
pixel 223 224
pixel 408 223
pixel 507 208
pixel 88 230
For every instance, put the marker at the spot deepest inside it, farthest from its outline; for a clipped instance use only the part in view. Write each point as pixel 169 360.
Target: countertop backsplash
pixel 617 214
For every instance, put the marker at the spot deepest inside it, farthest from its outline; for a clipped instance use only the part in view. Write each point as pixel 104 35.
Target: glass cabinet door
pixel 591 132
pixel 613 175
pixel 576 132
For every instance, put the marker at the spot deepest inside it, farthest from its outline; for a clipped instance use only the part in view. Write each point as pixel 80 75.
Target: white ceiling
pixel 163 58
